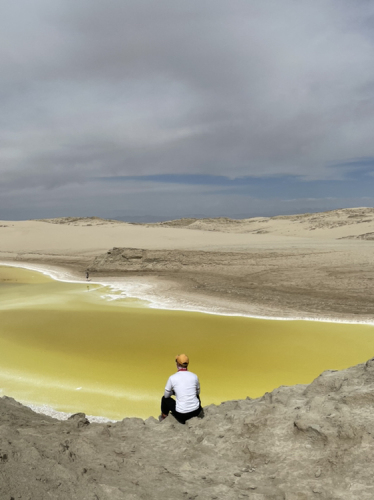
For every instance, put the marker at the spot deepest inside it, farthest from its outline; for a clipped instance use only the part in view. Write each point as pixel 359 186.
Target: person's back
pixel 186 387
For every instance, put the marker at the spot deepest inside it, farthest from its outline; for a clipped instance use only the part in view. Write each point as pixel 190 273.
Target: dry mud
pixel 296 443
pixel 281 283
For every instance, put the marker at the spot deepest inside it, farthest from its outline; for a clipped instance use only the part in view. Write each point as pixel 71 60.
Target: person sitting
pixel 186 387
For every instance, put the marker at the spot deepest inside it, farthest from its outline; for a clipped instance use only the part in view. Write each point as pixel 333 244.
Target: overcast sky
pixel 176 108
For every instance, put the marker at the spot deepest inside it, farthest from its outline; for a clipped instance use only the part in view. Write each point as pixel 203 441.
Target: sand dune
pixel 310 265
pixel 332 224
pixel 86 234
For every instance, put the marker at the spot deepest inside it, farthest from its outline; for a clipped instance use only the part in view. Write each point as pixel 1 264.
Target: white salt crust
pixel 148 293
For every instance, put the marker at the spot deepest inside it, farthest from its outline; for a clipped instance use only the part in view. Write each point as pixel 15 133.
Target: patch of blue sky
pixel 187 179
pixel 359 168
pixel 357 181
pixel 297 189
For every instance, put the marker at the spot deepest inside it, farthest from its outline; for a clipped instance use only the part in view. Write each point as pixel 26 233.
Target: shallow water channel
pixel 65 345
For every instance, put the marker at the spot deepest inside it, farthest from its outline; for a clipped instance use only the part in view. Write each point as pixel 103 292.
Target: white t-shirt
pixel 186 387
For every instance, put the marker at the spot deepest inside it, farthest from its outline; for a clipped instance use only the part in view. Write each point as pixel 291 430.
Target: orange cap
pixel 182 359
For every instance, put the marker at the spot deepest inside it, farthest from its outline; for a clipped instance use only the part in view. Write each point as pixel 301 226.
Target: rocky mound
pixel 296 443
pixel 140 259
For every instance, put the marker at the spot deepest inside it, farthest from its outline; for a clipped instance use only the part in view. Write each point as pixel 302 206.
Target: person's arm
pixel 168 389
pixel 197 387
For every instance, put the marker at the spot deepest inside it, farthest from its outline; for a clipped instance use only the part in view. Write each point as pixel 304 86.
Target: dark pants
pixel 168 405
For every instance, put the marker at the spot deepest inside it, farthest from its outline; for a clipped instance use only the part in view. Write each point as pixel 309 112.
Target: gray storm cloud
pixel 233 88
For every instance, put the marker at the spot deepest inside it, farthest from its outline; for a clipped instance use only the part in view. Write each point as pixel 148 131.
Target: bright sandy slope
pixel 92 235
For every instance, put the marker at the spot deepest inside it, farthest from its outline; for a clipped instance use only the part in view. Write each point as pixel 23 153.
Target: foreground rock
pixel 295 443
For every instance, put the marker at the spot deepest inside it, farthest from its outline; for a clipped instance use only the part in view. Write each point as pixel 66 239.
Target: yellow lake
pixel 67 346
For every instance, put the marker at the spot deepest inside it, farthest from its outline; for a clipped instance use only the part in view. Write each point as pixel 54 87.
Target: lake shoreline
pixel 149 289
pixel 65 275
pixel 316 267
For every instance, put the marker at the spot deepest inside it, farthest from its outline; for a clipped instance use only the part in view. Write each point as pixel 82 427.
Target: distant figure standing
pixel 87 274
pixel 186 387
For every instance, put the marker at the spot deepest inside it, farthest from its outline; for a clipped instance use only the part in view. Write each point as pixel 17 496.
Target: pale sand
pixel 284 267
